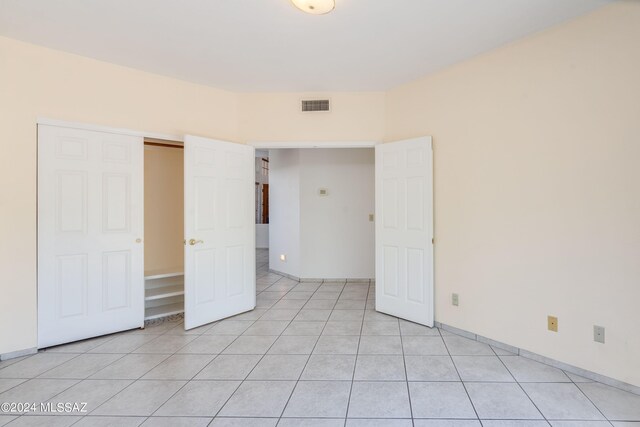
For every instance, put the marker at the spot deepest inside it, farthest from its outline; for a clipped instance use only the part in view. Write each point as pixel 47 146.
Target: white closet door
pixel 404 229
pixel 90 216
pixel 220 268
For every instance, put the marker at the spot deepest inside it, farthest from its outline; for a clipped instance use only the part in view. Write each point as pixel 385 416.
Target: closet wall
pixel 163 208
pixel 163 230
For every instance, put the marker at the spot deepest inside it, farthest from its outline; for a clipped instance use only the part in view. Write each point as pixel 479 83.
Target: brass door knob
pixel 193 242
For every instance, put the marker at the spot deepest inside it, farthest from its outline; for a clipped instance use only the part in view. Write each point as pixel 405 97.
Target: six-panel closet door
pixel 219 220
pixel 404 229
pixel 90 230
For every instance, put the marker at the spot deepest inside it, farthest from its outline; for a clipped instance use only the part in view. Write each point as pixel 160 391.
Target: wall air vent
pixel 314 105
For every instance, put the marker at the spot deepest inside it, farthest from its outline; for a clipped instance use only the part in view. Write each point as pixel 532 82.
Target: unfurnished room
pixel 320 213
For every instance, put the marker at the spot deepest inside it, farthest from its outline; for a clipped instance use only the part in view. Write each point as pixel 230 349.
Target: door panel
pixel 404 230
pixel 71 286
pixel 71 212
pixel 90 213
pixel 219 230
pixel 116 279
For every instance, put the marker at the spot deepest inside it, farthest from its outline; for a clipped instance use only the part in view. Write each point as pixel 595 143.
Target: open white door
pixel 90 229
pixel 404 229
pixel 220 251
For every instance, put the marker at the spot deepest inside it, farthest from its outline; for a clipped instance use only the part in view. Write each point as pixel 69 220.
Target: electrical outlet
pixel 455 299
pixel 598 334
pixel 552 323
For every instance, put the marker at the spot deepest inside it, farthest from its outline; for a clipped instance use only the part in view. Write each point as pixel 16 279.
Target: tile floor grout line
pixel 158 364
pixel 23 414
pixel 111 336
pixel 12 387
pixel 57 366
pixel 189 380
pixel 355 366
pixel 77 381
pixel 77 355
pixel 314 346
pixel 265 353
pixel 170 355
pixel 406 375
pixel 295 386
pixel 295 354
pixel 589 399
pixel 459 376
pixel 81 379
pixel 259 360
pixel 519 385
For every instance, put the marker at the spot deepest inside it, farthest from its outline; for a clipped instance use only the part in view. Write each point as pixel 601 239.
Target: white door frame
pixel 274 145
pixel 99 128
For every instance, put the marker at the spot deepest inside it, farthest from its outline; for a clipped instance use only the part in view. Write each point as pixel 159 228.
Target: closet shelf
pixel 163 310
pixel 163 292
pixel 163 274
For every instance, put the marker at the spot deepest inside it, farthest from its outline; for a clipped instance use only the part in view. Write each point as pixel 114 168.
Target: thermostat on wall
pixel 323 192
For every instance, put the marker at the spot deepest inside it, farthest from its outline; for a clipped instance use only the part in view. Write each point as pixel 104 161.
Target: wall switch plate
pixel 598 334
pixel 455 299
pixel 370 217
pixel 552 323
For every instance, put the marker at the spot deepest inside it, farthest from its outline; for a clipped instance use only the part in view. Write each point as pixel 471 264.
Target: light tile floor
pixel 310 354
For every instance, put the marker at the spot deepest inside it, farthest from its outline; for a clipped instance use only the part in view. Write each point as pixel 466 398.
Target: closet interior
pixel 163 228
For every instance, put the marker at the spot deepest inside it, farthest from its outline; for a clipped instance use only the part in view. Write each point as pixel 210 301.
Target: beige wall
pixel 35 82
pixel 536 173
pixel 537 189
pixel 277 117
pixel 163 208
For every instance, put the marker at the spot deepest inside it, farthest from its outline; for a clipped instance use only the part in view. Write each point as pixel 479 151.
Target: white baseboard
pixel 19 353
pixel 310 279
pixel 543 359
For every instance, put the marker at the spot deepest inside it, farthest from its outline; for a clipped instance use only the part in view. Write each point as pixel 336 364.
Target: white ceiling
pixel 269 45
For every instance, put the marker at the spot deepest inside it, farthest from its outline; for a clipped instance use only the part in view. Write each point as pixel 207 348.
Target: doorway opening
pixel 163 228
pixel 320 205
pixel 401 220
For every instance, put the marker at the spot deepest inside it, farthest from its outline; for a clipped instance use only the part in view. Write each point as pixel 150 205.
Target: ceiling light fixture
pixel 315 7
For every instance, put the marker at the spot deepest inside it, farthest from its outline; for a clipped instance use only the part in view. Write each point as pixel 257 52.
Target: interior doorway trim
pixel 272 145
pixel 108 129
